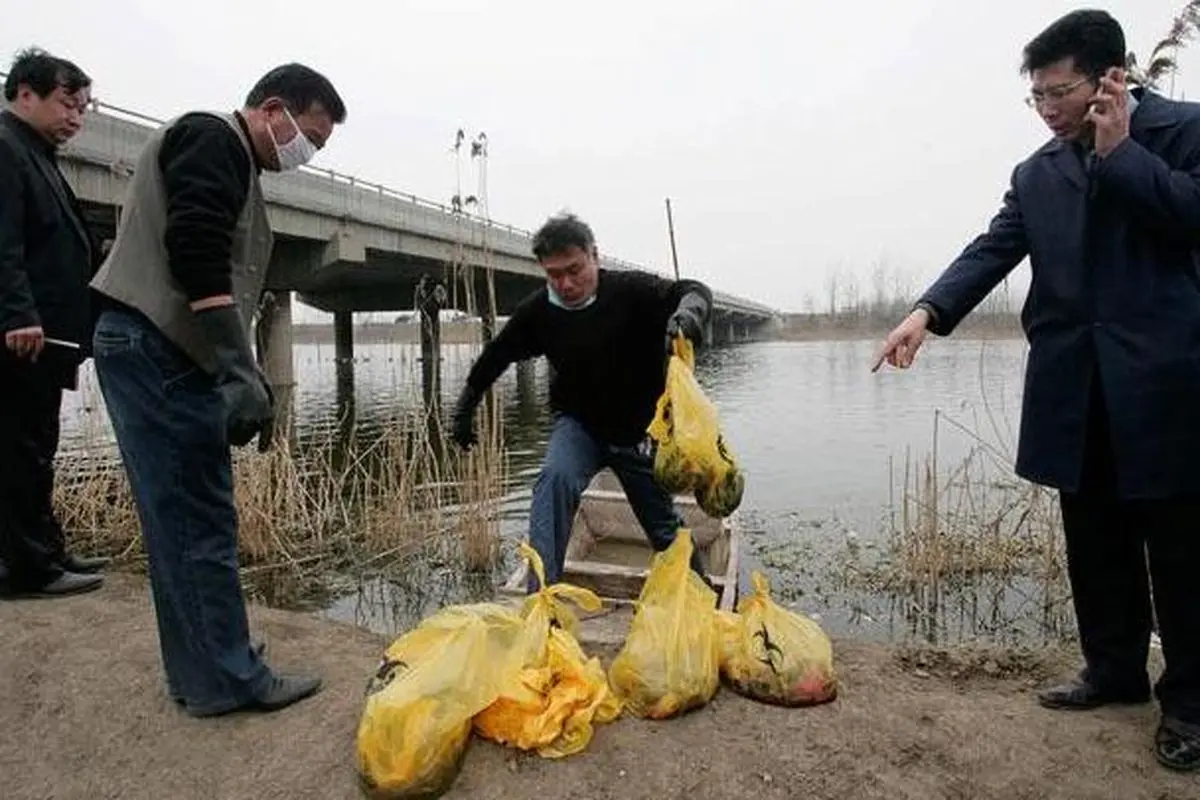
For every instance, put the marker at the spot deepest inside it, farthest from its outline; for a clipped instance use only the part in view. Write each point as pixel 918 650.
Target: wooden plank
pixel 621 584
pixel 729 596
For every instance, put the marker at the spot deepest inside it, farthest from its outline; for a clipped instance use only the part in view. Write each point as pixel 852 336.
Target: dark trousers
pixel 1116 551
pixel 32 544
pixel 169 422
pixel 573 457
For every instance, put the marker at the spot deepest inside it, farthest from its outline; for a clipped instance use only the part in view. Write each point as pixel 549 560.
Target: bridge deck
pixel 320 205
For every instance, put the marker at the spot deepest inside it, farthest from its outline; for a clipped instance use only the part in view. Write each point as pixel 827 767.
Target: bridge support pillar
pixel 343 353
pixel 275 339
pixel 429 300
pixel 731 335
pixel 527 381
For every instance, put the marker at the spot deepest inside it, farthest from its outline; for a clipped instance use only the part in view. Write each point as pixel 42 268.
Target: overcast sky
pixel 791 136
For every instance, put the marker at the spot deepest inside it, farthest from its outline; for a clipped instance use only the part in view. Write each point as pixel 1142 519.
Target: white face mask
pixel 556 300
pixel 296 152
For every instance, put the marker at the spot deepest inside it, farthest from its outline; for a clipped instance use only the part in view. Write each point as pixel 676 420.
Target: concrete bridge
pixel 344 245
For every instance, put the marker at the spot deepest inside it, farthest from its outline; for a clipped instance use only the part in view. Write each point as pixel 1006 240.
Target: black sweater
pixel 608 358
pixel 206 175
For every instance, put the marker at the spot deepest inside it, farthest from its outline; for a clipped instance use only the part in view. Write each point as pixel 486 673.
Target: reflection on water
pixel 818 435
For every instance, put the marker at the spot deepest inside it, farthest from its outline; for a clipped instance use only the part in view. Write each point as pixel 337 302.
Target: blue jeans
pixel 573 457
pixel 170 428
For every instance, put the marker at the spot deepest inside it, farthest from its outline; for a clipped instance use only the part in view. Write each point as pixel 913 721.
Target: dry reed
pixel 969 545
pixel 333 503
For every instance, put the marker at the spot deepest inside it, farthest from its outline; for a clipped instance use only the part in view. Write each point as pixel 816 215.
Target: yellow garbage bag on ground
pixel 434 679
pixel 669 663
pixel 691 454
pixel 774 655
pixel 552 704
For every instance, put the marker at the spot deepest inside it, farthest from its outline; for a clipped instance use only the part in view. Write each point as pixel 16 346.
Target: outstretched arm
pixel 514 342
pixel 963 285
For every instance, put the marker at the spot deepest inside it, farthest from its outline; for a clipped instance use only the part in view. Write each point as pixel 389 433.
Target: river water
pixel 821 439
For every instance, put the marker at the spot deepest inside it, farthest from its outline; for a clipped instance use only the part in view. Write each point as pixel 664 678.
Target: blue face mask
pixel 558 301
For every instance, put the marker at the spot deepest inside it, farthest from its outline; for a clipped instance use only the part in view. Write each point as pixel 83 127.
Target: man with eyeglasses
pixel 1108 213
pixel 47 258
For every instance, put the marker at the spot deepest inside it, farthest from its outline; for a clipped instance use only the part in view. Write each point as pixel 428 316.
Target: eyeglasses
pixel 1053 94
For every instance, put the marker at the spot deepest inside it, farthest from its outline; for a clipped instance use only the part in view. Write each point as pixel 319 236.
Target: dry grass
pixel 972 550
pixel 336 504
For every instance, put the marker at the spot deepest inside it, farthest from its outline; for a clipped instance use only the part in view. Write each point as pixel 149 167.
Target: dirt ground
pixel 85 716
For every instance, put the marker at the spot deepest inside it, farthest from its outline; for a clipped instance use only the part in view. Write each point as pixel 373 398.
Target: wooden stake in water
pixel 671 231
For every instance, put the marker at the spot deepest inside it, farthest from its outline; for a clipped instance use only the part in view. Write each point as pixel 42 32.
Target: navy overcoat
pixel 1114 296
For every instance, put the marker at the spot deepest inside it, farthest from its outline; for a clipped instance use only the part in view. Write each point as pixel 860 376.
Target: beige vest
pixel 136 272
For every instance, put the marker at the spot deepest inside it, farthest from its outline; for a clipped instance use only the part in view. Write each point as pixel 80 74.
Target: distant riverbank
pixel 796 327
pixel 838 327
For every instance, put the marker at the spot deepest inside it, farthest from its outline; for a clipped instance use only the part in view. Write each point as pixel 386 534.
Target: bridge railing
pixel 387 191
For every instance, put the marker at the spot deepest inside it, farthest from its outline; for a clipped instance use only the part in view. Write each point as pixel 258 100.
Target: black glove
pixel 249 403
pixel 688 320
pixel 462 428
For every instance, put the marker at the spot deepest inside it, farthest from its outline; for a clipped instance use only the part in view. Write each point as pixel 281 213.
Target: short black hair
pixel 1090 36
pixel 43 73
pixel 298 87
pixel 560 233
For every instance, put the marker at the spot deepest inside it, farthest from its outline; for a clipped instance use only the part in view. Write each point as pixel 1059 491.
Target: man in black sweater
pixel 605 334
pixel 180 288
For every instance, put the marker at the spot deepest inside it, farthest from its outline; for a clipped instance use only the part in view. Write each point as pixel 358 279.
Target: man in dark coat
pixel 1108 213
pixel 46 261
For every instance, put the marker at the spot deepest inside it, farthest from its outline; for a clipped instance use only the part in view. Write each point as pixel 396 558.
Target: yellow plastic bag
pixel 774 655
pixel 691 454
pixel 434 679
pixel 552 705
pixel 670 660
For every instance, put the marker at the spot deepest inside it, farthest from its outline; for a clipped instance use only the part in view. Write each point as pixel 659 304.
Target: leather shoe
pixel 84 565
pixel 284 690
pixel 1082 695
pixel 1177 749
pixel 66 584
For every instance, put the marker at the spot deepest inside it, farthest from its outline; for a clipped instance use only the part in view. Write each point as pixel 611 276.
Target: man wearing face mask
pixel 180 287
pixel 604 333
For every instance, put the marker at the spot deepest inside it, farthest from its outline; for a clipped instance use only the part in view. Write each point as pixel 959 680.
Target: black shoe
pixel 283 691
pixel 84 565
pixel 1176 749
pixel 66 584
pixel 1081 695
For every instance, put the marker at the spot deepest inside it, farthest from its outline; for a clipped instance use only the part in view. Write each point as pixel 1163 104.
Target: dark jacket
pixel 46 253
pixel 1114 297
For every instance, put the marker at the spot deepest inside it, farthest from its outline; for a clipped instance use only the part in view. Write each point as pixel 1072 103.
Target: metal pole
pixel 671 230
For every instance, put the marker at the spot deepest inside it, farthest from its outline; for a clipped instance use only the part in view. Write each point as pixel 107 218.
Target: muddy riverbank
pixel 83 699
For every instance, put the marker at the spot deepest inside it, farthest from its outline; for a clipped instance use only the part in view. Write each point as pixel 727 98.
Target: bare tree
pixel 832 285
